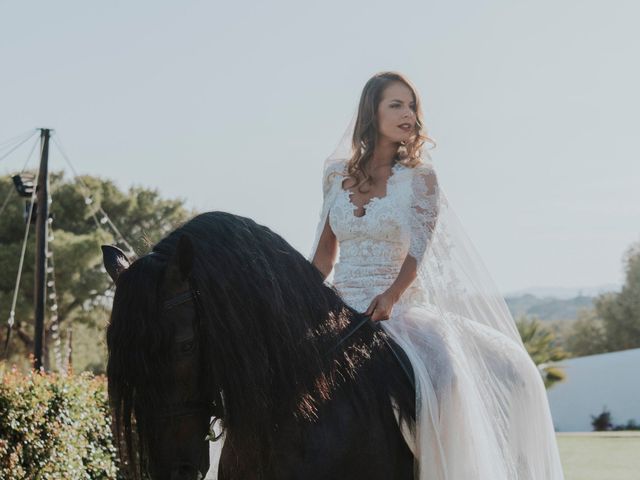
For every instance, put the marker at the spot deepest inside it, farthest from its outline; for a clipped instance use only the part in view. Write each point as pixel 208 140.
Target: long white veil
pixel 493 421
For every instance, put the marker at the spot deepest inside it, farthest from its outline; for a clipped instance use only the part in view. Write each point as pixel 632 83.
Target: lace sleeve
pixel 330 177
pixel 425 205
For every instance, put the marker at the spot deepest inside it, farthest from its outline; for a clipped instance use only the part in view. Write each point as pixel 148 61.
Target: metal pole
pixel 42 217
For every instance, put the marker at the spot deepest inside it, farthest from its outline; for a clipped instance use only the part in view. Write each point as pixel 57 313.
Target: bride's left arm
pixel 423 218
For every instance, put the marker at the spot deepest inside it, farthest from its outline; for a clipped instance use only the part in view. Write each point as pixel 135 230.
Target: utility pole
pixel 42 235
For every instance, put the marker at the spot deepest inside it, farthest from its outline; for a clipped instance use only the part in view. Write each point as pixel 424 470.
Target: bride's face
pixel 397 108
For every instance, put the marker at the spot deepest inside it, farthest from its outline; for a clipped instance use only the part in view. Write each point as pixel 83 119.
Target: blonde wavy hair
pixel 365 132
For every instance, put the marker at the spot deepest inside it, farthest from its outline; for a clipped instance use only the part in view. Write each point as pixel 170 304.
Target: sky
pixel 234 105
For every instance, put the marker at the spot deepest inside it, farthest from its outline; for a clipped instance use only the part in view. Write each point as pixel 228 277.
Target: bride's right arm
pixel 327 250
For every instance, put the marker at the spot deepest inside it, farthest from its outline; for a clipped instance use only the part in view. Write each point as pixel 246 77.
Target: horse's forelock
pixel 137 345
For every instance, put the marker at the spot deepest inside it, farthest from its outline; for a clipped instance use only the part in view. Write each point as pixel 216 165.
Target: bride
pixel 403 258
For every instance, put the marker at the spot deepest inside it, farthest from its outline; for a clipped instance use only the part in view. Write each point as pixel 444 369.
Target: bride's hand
pixel 381 306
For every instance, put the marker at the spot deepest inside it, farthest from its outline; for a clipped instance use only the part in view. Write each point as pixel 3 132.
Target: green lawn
pixel 585 456
pixel 600 456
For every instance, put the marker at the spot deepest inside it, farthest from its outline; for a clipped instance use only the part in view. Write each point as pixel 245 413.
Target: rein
pixel 400 355
pixel 397 351
pixel 365 319
pixel 193 294
pixel 196 408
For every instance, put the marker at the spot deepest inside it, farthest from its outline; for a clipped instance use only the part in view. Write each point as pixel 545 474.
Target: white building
pixel 593 382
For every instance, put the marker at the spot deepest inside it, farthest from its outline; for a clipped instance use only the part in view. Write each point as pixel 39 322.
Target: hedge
pixel 55 427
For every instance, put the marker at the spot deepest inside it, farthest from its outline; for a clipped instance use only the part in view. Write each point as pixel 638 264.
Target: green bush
pixel 55 427
pixel 602 422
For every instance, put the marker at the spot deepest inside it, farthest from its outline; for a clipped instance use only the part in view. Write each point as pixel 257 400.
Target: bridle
pixel 193 407
pixel 180 298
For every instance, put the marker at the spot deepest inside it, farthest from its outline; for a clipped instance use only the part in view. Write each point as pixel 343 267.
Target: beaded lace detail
pixel 373 246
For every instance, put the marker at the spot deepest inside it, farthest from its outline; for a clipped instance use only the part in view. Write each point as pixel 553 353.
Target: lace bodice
pixel 373 247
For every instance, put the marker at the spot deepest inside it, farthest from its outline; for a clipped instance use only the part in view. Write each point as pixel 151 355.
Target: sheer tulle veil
pixel 451 270
pixel 493 420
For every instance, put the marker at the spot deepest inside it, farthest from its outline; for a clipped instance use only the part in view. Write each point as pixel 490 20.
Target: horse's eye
pixel 186 347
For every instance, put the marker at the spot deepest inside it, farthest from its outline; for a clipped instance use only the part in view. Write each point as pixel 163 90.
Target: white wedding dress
pixel 482 410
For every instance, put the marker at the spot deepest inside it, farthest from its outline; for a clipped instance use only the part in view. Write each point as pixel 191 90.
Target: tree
pixel 587 335
pixel 620 312
pixel 79 228
pixel 602 422
pixel 614 322
pixel 540 342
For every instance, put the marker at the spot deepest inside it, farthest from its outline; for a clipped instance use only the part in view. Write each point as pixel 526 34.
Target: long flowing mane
pixel 269 325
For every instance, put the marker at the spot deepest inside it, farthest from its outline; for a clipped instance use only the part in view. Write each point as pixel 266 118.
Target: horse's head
pixel 162 401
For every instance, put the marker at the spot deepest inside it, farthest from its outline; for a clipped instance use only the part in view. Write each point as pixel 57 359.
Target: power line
pixel 12 312
pixel 33 148
pixel 6 199
pixel 20 143
pixel 88 201
pixel 16 138
pixel 24 167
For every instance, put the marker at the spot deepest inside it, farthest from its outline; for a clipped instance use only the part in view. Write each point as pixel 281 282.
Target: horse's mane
pixel 269 323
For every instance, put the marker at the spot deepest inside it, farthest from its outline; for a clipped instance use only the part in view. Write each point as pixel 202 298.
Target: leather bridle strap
pixel 181 298
pixel 184 409
pixel 364 320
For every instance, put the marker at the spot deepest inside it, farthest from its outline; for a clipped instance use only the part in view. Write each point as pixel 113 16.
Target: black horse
pixel 224 319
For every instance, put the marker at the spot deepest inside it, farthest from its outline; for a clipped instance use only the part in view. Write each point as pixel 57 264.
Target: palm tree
pixel 540 341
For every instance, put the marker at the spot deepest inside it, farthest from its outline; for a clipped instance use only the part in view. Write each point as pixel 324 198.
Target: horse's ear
pixel 181 263
pixel 115 261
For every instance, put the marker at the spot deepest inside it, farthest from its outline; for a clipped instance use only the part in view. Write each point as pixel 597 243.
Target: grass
pixel 585 456
pixel 600 455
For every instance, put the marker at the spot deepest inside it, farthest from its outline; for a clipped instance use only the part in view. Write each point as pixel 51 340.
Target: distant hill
pixel 565 292
pixel 554 303
pixel 548 308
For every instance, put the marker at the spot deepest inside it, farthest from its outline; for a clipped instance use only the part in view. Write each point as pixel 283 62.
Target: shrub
pixel 631 425
pixel 55 427
pixel 602 422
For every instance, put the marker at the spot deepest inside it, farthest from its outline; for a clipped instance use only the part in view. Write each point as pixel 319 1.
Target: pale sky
pixel 234 106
